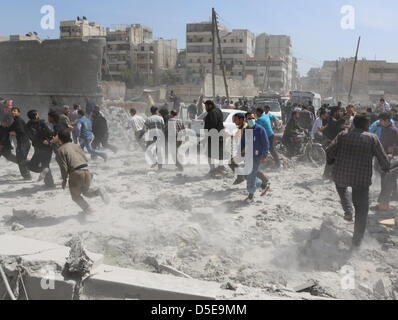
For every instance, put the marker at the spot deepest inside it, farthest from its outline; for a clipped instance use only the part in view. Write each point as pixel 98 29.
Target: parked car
pixel 228 114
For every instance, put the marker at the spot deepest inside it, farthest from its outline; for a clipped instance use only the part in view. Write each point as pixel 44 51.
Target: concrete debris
pixel 229 286
pixel 78 262
pixel 306 287
pixel 161 267
pixel 379 289
pixel 24 214
pixel 17 227
pixel 366 289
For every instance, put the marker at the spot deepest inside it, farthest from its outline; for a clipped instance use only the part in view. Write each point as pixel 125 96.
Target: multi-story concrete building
pixel 119 51
pixel 237 45
pixel 81 28
pixel 26 37
pixel 243 54
pixel 153 58
pixel 278 46
pixel 373 79
pixel 269 73
pixel 199 49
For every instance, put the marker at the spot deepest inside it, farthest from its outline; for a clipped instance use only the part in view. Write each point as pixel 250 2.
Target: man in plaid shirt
pixel 352 153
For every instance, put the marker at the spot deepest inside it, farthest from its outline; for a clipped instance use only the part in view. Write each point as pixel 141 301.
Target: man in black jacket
pixel 5 143
pixel 17 129
pixel 100 130
pixel 334 126
pixel 214 121
pixel 40 135
pixel 292 130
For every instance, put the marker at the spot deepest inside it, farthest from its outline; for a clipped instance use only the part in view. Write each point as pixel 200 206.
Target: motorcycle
pixel 304 148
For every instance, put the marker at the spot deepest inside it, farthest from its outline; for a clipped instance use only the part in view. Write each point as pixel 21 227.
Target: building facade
pixel 269 59
pixel 81 28
pixel 152 59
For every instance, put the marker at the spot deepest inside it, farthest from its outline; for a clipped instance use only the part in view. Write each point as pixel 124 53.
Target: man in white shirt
pixel 318 127
pixel 384 105
pixel 136 124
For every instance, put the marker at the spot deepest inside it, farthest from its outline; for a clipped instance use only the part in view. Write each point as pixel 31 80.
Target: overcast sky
pixel 314 26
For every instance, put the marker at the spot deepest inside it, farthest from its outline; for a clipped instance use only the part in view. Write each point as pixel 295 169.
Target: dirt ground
pixel 200 226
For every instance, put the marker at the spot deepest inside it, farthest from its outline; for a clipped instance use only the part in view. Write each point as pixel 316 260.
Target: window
pixel 209 60
pixel 151 48
pixel 198 61
pixel 142 49
pixel 240 51
pixel 232 40
pixel 241 40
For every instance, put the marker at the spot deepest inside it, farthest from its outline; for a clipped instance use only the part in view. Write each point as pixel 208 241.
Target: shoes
pixel 239 180
pixel 348 217
pixel 43 174
pixel 104 196
pixel 27 178
pixel 88 211
pixel 249 199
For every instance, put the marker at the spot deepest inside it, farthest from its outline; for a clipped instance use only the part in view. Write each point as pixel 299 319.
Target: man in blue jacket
pixel 86 135
pixel 260 153
pixel 265 120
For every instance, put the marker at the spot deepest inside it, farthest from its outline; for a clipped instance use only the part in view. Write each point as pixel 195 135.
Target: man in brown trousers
pixel 74 164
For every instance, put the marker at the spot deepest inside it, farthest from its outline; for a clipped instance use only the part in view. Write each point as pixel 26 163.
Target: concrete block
pixel 35 251
pixel 117 283
pixel 41 289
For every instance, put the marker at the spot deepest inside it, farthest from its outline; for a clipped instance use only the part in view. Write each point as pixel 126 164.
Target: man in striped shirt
pixel 173 128
pixel 155 125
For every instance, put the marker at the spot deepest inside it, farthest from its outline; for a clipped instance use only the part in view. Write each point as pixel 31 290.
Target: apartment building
pixel 121 41
pixel 237 45
pixel 26 37
pixel 269 73
pixel 153 58
pixel 81 28
pixel 373 79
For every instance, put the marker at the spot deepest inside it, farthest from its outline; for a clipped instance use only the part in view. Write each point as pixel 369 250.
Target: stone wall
pixel 68 69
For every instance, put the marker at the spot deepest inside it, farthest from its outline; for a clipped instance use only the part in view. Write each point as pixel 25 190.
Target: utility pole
pixel 221 59
pixel 213 70
pixel 353 70
pixel 336 89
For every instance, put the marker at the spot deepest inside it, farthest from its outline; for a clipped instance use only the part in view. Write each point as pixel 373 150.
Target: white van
pixel 305 98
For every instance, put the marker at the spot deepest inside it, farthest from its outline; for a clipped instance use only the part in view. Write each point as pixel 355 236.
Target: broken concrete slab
pixel 379 289
pixel 305 286
pixel 34 251
pixel 117 283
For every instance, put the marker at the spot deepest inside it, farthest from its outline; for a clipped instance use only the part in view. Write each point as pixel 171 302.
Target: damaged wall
pixel 68 69
pixel 237 88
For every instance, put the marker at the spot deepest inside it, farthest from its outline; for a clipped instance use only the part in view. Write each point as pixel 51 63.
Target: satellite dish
pixel 78 18
pixel 84 18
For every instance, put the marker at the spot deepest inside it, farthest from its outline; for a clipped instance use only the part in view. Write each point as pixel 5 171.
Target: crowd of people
pixel 351 139
pixel 66 134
